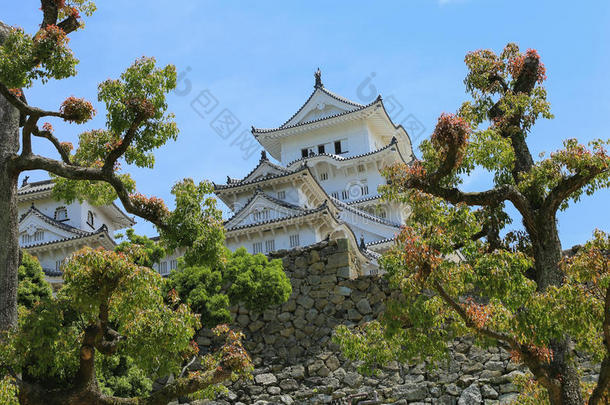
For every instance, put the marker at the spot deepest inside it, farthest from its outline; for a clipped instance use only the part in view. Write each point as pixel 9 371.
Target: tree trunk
pixel 9 223
pixel 565 385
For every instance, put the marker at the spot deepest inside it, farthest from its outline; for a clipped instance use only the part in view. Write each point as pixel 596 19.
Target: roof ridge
pixel 364 213
pixel 340 158
pixel 264 195
pixel 268 130
pixel 53 221
pixel 321 207
pixel 218 187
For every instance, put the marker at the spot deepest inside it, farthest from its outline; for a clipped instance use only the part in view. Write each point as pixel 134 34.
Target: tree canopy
pixel 460 267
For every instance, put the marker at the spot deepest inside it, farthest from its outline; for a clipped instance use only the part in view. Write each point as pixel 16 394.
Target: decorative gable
pixel 262 208
pixel 321 104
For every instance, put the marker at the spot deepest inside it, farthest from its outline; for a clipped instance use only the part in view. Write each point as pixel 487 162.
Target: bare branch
pixel 117 152
pixel 73 172
pixel 65 156
pixel 24 108
pixel 567 186
pixel 462 313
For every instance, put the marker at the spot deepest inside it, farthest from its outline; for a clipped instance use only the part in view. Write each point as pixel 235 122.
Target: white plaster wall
pixel 356 135
pixel 307 236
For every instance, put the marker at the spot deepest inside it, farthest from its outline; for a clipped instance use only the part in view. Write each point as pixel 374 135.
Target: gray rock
pixel 363 306
pixel 265 379
pixel 471 396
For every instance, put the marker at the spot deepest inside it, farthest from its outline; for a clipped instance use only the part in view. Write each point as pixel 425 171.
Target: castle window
pixel 335 194
pixel 38 236
pixel 261 215
pixel 25 238
pixel 361 168
pixel 324 176
pixel 269 246
pixel 257 247
pixel 344 195
pixel 61 214
pixel 321 149
pixel 58 265
pixel 304 152
pixel 163 268
pixel 338 148
pixel 281 195
pixel 294 240
pixel 365 189
pixel 90 218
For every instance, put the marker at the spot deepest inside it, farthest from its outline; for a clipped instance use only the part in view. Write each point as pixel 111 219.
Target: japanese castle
pixel 51 230
pixel 330 154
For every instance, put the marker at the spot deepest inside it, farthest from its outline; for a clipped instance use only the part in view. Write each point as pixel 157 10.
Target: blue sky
pixel 257 59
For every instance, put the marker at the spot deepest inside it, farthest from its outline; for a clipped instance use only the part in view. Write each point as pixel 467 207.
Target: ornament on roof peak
pixel 25 181
pixel 263 155
pixel 318 76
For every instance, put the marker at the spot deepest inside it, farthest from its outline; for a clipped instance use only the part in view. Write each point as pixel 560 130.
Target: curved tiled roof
pixel 364 214
pixel 365 199
pixel 263 160
pixel 35 187
pixel 53 221
pixel 327 92
pixel 381 241
pixel 269 198
pixel 218 187
pixel 304 212
pixel 342 159
pixel 259 131
pixel 101 230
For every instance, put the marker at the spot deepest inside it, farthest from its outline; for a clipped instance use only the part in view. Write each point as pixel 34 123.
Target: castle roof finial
pixel 25 181
pixel 318 76
pixel 263 155
pixel 362 244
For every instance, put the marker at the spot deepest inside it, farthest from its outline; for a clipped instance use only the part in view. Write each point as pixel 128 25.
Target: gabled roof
pixel 246 181
pixel 33 211
pixel 258 197
pixel 302 213
pixel 264 168
pixel 35 187
pixel 289 124
pixel 327 156
pixel 363 214
pixel 42 189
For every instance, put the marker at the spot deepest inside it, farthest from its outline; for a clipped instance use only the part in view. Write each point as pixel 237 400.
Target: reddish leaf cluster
pixel 516 64
pixel 542 353
pixel 66 146
pixel 77 110
pixel 141 107
pixel 16 92
pixel 51 34
pixel 451 133
pixel 47 127
pixel 478 314
pixel 233 354
pixel 152 207
pixel 417 254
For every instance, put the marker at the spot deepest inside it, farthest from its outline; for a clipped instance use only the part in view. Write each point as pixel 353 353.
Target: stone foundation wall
pixel 296 362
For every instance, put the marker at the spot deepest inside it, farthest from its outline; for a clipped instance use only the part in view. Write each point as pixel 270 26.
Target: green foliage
pixel 45 347
pixel 453 272
pixel 45 56
pixel 252 280
pixel 195 223
pixel 255 281
pixel 136 111
pixel 8 391
pixel 146 253
pixel 118 375
pixel 32 285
